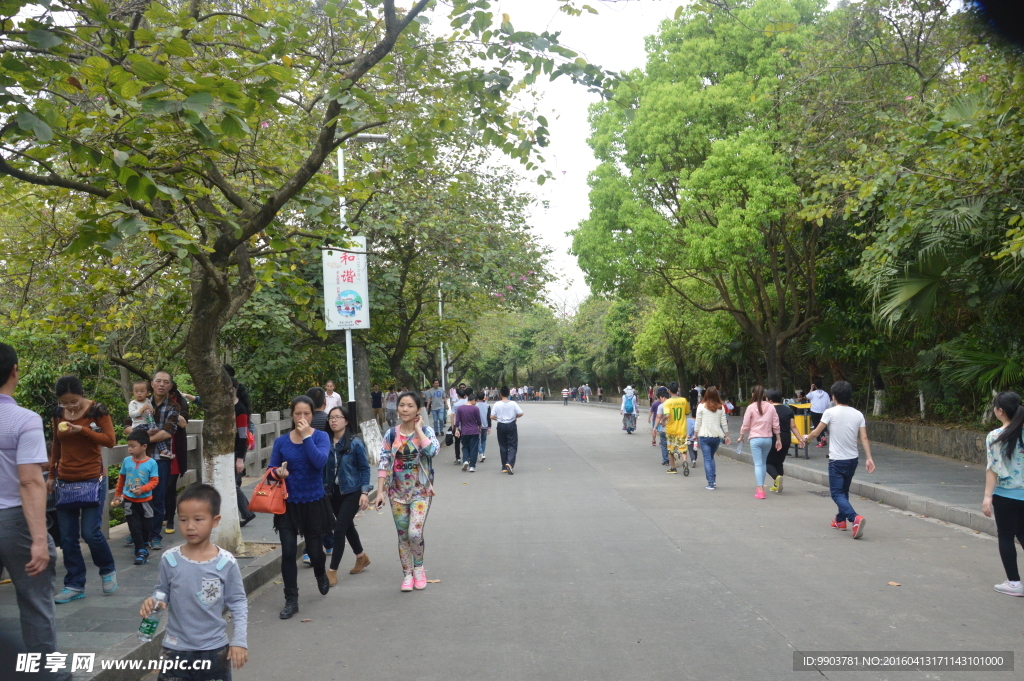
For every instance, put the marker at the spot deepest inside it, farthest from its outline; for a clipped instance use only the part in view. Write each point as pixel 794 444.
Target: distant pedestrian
pixel 659 400
pixel 377 404
pixel 485 422
pixel 27 552
pixel 845 424
pixel 761 422
pixel 506 413
pixel 331 398
pixel 674 413
pixel 653 419
pixel 565 397
pixel 1004 485
pixel 298 458
pixel 319 397
pixel 467 427
pixel 711 429
pixel 437 405
pixel 460 399
pixel 820 401
pixel 243 414
pixel 199 581
pixel 630 407
pixel 81 428
pixel 600 394
pixel 347 483
pixel 391 407
pixel 777 456
pixel 405 478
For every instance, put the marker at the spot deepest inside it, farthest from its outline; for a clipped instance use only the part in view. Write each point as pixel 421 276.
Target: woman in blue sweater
pixel 299 457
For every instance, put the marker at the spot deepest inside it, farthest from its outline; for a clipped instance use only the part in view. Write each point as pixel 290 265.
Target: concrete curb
pixel 956 515
pixel 255 575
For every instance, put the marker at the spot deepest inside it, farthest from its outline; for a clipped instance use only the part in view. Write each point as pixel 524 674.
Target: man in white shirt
pixel 506 413
pixel 27 551
pixel 820 401
pixel 333 398
pixel 846 425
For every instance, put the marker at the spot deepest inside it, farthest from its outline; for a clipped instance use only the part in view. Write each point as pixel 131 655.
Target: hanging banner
pixel 346 287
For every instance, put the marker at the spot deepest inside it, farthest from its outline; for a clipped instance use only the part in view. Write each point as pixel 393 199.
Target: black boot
pixel 323 583
pixel 291 603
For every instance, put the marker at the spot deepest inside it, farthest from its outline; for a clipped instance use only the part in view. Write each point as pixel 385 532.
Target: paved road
pixel 592 564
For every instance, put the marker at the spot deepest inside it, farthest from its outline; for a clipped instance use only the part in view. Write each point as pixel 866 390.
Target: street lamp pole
pixel 440 315
pixel 363 138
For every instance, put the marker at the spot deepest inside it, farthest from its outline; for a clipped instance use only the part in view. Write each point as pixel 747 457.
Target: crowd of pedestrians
pixel 328 475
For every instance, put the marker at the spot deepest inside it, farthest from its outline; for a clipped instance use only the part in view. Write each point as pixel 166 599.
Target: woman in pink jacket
pixel 760 421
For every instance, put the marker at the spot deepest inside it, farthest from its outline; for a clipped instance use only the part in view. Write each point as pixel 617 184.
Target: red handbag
pixel 269 496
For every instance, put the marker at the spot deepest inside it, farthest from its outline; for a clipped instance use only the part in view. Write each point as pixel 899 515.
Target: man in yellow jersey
pixel 673 417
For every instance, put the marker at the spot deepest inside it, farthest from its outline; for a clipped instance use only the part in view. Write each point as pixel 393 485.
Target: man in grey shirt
pixel 26 549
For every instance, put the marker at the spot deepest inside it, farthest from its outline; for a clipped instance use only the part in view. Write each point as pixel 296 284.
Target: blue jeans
pixel 759 448
pixel 84 523
pixel 708 447
pixel 159 502
pixel 840 475
pixel 438 416
pixel 483 441
pixel 663 439
pixel 470 447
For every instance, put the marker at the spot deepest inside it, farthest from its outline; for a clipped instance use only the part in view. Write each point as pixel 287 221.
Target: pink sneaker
pixel 419 576
pixel 759 494
pixel 407 583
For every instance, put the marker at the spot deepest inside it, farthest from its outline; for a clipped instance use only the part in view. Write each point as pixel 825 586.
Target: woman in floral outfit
pixel 405 476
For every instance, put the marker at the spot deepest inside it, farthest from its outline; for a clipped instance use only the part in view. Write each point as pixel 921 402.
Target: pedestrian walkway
pixel 97 622
pixel 926 484
pixel 592 564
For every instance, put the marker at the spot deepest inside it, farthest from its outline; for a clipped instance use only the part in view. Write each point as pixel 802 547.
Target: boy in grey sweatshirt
pixel 200 581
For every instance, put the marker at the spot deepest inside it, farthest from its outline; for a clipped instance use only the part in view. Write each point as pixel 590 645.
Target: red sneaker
pixel 839 525
pixel 858 526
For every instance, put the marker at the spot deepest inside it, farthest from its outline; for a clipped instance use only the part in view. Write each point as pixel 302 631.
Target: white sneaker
pixel 465 465
pixel 472 470
pixel 1010 590
pixel 483 458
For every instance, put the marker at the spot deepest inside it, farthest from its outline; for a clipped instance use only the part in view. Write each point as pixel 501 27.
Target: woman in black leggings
pixel 298 458
pixel 1004 485
pixel 347 483
pixel 787 424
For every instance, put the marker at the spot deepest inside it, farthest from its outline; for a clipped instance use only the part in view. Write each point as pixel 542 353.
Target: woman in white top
pixel 711 429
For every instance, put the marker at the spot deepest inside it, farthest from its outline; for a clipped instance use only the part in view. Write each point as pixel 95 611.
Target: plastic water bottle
pixel 150 623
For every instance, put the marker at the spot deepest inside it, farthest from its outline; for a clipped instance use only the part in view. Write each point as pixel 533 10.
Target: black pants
pixel 138 524
pixel 508 443
pixel 171 500
pixel 290 552
pixel 178 665
pixel 458 447
pixel 242 500
pixel 815 420
pixel 345 507
pixel 1009 526
pixel 777 458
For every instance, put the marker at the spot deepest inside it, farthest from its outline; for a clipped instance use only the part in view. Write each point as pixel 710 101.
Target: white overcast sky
pixel 613 39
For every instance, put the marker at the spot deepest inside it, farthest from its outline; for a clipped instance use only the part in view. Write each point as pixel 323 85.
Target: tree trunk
pixel 214 384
